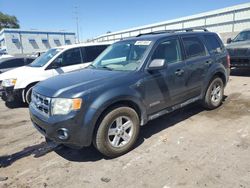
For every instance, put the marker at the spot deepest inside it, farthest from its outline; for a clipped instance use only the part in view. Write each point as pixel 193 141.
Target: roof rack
pixel 174 30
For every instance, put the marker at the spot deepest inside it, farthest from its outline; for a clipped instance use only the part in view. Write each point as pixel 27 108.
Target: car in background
pixel 132 82
pixel 239 49
pixel 18 83
pixel 9 63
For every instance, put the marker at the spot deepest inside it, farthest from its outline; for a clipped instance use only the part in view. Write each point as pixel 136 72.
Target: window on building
pixel 15 40
pixel 57 42
pixel 194 47
pixel 46 43
pixel 68 42
pixel 34 43
pixel 168 50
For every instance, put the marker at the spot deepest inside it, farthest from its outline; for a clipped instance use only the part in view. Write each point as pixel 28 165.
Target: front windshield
pixel 122 56
pixel 44 58
pixel 243 36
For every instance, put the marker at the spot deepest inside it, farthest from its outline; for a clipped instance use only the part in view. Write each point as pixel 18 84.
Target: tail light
pixel 228 61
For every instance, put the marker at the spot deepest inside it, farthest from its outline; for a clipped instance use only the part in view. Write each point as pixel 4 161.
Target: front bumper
pixel 79 134
pixel 9 94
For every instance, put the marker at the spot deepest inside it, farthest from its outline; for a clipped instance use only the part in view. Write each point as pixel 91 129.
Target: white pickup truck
pixel 17 84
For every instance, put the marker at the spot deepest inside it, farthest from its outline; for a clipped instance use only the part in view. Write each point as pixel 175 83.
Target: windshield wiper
pixel 105 67
pixel 91 66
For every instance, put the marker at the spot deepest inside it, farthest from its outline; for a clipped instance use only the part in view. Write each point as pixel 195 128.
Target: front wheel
pixel 28 93
pixel 214 94
pixel 117 132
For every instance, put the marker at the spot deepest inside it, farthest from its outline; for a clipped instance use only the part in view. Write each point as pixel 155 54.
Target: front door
pixel 69 60
pixel 166 87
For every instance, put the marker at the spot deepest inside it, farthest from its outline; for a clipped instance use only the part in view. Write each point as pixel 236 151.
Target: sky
pixel 96 17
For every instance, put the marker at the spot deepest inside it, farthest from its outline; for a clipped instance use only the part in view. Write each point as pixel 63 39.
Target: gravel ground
pixel 188 148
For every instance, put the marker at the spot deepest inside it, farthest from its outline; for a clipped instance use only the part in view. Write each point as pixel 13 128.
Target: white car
pixel 18 83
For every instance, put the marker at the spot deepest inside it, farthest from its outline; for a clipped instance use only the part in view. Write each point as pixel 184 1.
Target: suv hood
pixel 20 72
pixel 241 44
pixel 77 82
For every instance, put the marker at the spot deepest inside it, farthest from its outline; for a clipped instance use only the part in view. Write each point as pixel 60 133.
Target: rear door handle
pixel 179 72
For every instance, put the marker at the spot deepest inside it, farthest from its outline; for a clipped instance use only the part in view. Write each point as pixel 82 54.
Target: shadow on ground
pixel 240 72
pixel 90 153
pixel 14 104
pixel 38 150
pixel 153 127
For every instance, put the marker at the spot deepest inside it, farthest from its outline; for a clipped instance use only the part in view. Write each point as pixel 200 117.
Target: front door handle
pixel 208 63
pixel 179 72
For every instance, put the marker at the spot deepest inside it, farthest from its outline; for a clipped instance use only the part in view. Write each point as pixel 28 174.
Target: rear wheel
pixel 117 132
pixel 214 94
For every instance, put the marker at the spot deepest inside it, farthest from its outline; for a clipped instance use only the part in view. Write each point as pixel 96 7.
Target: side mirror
pixel 157 64
pixel 229 40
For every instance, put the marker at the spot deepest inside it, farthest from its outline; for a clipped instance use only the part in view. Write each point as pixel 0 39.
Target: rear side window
pixel 168 50
pixel 28 61
pixel 194 47
pixel 213 44
pixel 92 52
pixel 12 63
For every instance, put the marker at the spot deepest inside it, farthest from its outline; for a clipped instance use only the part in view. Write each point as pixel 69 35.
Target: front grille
pixel 41 103
pixel 239 52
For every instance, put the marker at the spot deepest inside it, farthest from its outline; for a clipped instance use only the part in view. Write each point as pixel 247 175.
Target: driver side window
pixel 168 50
pixel 69 57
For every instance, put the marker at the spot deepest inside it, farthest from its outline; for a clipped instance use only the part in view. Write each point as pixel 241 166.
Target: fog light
pixel 63 134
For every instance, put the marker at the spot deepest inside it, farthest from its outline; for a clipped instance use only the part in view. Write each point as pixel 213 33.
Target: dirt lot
pixel 188 148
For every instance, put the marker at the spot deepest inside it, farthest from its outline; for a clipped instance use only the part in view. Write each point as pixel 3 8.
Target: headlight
pixel 9 82
pixel 61 106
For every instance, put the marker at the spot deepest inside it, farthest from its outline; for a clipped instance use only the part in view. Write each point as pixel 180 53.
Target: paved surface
pixel 188 148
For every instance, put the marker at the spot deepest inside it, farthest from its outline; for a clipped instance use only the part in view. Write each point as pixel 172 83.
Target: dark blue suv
pixel 132 82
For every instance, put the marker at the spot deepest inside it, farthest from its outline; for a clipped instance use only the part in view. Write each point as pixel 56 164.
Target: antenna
pixel 77 23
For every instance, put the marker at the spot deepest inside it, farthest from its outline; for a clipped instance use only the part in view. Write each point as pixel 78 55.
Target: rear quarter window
pixel 213 44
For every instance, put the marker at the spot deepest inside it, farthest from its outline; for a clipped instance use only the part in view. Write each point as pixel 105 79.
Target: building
pixel 17 41
pixel 227 22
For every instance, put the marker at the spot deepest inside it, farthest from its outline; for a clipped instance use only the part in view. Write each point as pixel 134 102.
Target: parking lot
pixel 187 148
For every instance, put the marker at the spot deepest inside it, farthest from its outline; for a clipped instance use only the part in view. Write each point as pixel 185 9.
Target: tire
pixel 28 93
pixel 214 94
pixel 117 132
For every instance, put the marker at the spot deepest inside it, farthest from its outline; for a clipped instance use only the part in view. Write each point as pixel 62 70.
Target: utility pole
pixel 77 23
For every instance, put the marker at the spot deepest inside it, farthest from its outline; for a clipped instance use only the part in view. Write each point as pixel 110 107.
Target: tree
pixel 7 21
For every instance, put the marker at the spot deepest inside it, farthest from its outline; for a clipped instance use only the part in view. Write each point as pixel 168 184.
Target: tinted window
pixel 168 50
pixel 12 63
pixel 70 57
pixel 193 47
pixel 212 43
pixel 28 61
pixel 92 52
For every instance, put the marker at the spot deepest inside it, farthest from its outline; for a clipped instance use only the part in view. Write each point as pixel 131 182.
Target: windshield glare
pixel 44 58
pixel 243 36
pixel 122 56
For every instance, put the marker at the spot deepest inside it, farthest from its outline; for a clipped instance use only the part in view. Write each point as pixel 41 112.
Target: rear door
pixel 166 87
pixel 198 61
pixel 215 48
